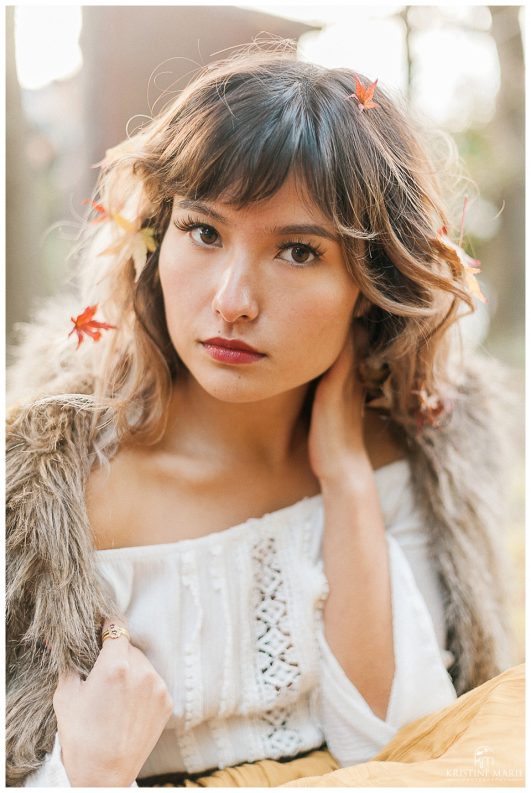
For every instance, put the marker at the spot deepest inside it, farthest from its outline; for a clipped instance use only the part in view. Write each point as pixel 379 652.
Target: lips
pixel 231 344
pixel 231 351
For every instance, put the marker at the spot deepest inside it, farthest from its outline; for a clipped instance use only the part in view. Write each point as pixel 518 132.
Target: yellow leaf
pixel 125 224
pixel 474 286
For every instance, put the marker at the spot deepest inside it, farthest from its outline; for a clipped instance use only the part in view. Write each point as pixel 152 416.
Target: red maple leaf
pixel 364 94
pixel 99 208
pixel 84 323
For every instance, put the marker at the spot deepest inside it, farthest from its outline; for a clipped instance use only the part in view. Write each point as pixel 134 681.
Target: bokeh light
pixel 46 44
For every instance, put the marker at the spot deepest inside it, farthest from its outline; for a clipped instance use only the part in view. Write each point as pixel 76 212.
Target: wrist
pixel 350 474
pixel 96 775
pixel 95 778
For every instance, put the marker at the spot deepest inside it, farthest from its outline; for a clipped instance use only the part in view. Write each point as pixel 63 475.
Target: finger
pixel 339 376
pixel 344 378
pixel 110 622
pixel 347 359
pixel 112 650
pixel 117 641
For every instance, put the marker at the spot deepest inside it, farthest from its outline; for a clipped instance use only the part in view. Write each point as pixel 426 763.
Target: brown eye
pixel 300 254
pixel 201 234
pixel 207 234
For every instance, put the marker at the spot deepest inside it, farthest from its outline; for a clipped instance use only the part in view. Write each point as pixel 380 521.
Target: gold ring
pixel 114 632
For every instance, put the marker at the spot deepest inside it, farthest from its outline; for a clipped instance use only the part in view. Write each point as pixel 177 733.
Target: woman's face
pixel 244 276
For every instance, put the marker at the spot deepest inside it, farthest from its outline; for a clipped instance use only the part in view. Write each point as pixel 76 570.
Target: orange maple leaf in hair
pixel 364 94
pixel 84 323
pixel 99 208
pixel 469 266
pixel 434 411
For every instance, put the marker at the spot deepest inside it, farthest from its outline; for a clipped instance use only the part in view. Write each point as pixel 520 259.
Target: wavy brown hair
pixel 234 134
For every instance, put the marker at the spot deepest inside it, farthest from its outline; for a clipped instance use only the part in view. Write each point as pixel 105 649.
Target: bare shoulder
pixel 110 501
pixel 144 497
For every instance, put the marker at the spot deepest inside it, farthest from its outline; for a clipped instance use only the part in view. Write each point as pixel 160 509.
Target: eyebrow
pixel 294 228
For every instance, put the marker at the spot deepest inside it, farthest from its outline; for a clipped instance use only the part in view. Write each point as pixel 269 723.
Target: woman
pixel 256 468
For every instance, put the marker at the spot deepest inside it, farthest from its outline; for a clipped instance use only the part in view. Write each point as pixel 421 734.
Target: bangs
pixel 246 141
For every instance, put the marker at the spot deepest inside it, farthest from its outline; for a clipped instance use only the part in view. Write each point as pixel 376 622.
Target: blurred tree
pixel 22 211
pixel 403 15
pixel 503 176
pixel 493 154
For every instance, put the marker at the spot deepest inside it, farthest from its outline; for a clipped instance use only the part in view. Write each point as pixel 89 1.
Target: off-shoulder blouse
pixel 233 622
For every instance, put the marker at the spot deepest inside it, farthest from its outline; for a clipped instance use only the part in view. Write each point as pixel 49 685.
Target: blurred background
pixel 80 78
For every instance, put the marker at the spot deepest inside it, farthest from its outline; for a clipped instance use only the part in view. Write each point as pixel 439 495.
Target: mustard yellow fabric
pixel 478 741
pixel 268 773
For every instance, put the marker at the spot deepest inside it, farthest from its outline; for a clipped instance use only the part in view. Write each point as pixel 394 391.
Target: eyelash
pixel 191 223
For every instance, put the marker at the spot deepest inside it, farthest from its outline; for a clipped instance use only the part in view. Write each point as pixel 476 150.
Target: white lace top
pixel 233 623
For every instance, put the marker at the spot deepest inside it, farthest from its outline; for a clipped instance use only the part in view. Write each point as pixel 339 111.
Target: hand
pixel 109 723
pixel 335 439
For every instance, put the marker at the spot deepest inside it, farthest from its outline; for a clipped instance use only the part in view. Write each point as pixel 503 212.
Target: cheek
pixel 178 293
pixel 181 287
pixel 167 271
pixel 323 312
pixel 318 322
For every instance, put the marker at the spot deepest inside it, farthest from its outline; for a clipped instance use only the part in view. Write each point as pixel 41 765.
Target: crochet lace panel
pixel 277 664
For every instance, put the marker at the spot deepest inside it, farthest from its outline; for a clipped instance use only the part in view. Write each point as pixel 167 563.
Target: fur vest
pixel 56 601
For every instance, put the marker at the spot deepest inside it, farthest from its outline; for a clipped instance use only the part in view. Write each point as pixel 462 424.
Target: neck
pixel 268 432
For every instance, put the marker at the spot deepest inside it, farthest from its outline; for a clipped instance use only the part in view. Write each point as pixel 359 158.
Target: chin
pixel 233 386
pixel 228 383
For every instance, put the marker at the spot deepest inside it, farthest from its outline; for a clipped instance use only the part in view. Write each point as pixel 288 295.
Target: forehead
pixel 292 197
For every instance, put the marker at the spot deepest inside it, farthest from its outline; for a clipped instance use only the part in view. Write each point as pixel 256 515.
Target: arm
pixel 356 563
pixel 354 546
pixel 421 684
pixel 381 662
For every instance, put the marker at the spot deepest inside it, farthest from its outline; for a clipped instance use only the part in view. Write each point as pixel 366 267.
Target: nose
pixel 235 297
